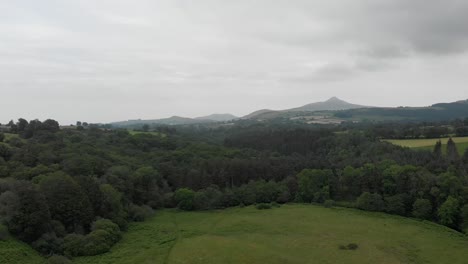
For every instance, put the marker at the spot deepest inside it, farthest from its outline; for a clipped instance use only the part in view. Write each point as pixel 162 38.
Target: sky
pixel 112 60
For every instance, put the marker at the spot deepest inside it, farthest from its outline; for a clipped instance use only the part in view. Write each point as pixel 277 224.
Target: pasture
pixel 428 144
pixel 290 234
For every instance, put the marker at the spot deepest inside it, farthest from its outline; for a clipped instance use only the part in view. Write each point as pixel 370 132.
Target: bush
pixel 422 208
pixel 370 202
pixel 57 259
pixel 73 245
pixel 352 246
pixel 185 199
pixel 263 206
pixel 275 204
pixel 97 242
pixel 329 203
pixel 48 244
pixel 111 228
pixel 139 213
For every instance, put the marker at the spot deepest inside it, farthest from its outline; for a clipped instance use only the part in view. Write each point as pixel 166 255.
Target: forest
pixel 73 191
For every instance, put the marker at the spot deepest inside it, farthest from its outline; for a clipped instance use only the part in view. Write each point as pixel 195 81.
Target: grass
pixel 428 144
pixel 290 234
pixel 154 133
pixel 15 252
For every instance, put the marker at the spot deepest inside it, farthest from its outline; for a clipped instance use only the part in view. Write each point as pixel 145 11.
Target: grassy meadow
pixel 428 144
pixel 290 234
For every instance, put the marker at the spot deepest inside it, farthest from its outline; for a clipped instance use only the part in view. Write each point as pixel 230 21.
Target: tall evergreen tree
pixel 452 152
pixel 438 149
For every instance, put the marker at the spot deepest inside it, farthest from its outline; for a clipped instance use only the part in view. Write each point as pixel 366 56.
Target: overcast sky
pixel 111 60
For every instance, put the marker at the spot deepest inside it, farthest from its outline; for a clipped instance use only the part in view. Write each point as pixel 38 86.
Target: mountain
pixel 435 112
pixel 176 120
pixel 332 104
pixel 218 117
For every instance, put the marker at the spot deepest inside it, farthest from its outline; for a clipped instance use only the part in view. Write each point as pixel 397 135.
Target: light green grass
pixel 290 234
pixel 15 252
pixel 154 133
pixel 9 136
pixel 428 144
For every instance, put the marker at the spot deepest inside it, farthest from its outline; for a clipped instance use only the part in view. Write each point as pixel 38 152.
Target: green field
pixel 154 133
pixel 290 234
pixel 15 252
pixel 428 144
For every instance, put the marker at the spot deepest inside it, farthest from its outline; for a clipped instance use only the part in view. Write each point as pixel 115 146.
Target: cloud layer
pixel 103 61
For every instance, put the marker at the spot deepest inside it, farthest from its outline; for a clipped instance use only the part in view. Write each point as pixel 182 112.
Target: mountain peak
pixel 334 99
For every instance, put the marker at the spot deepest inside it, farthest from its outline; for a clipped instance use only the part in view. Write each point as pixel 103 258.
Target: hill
pixel 218 117
pixel 332 104
pixel 436 112
pixel 290 234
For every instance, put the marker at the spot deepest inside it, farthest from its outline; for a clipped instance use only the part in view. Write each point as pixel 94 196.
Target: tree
pixel 438 149
pixel 396 204
pixel 370 202
pixel 185 199
pixel 2 137
pixel 422 208
pixel 145 127
pixel 464 218
pixel 452 152
pixel 67 201
pixel 448 212
pixel 313 185
pixel 33 217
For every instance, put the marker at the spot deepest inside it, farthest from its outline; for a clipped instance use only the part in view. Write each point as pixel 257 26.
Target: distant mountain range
pixel 331 111
pixel 177 120
pixel 332 104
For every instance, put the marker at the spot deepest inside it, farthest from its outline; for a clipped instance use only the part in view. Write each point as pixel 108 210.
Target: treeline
pixel 74 191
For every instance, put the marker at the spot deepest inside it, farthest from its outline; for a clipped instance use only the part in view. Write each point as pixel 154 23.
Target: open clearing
pixel 428 144
pixel 290 234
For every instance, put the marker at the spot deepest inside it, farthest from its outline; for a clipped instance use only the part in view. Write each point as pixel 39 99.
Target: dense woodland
pixel 73 191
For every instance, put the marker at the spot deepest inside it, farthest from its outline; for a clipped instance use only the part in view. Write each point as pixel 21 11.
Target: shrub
pixel 352 246
pixel 73 245
pixel 139 213
pixel 329 203
pixel 57 259
pixel 422 208
pixel 185 199
pixel 97 242
pixel 48 244
pixel 370 202
pixel 111 228
pixel 263 206
pixel 275 204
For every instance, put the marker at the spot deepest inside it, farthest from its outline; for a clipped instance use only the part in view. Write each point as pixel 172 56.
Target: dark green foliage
pixel 185 199
pixel 263 206
pixel 352 246
pixel 448 212
pixel 32 217
pixel 422 208
pixel 139 213
pixel 329 203
pixel 48 243
pixel 370 202
pixel 5 151
pixel 2 137
pixel 396 204
pixel 452 152
pixel 73 245
pixel 464 218
pixel 313 185
pixel 67 201
pixel 4 234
